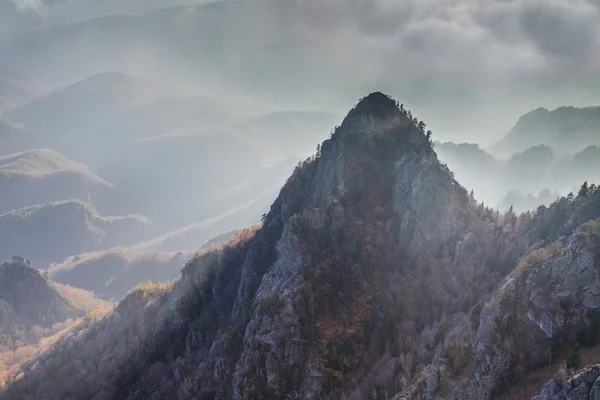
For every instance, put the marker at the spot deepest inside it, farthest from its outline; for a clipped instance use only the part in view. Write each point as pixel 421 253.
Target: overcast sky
pixel 470 67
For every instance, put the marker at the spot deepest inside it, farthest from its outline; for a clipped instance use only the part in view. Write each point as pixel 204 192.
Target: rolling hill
pixel 81 118
pixel 51 232
pixel 41 176
pixel 27 299
pixel 111 274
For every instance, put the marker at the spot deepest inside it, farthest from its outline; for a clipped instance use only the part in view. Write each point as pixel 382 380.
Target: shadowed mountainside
pixel 27 299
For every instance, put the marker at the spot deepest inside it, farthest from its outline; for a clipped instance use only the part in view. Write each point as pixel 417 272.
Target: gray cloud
pixel 36 6
pixel 497 56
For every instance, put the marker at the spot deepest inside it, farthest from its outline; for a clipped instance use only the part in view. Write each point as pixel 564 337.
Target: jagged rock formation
pixel 52 232
pixel 309 305
pixel 368 279
pixel 545 300
pixel 583 386
pixel 27 299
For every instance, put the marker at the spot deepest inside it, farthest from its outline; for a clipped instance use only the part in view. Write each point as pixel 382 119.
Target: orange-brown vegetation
pixel 17 357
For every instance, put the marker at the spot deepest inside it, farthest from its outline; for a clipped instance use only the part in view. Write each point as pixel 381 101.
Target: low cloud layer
pixel 498 56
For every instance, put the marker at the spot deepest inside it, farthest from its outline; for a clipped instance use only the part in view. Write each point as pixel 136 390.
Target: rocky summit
pixel 374 275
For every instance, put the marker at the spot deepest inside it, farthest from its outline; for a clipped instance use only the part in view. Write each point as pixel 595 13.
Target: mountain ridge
pixel 40 176
pixel 81 227
pixel 376 176
pixel 564 128
pixel 27 299
pixel 374 275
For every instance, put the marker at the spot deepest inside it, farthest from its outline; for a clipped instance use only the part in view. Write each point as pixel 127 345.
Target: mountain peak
pixel 379 118
pixel 373 202
pixel 377 105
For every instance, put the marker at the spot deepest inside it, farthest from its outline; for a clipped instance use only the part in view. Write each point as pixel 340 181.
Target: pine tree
pixel 584 190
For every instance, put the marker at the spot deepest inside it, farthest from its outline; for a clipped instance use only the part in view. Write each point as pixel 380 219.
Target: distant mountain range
pixel 111 274
pixel 565 129
pixel 159 143
pixel 374 274
pixel 16 89
pixel 534 170
pixel 11 135
pixel 41 176
pixel 51 232
pixel 82 116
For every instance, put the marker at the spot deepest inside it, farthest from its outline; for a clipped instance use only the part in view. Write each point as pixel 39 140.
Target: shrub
pixel 588 230
pixel 272 305
pixel 561 375
pixel 538 256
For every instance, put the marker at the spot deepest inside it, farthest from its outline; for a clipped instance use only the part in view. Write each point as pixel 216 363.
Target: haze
pixel 470 67
pixel 316 199
pixel 193 114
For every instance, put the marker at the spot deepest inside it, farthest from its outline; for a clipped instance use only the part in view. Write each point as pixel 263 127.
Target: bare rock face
pixel 546 299
pixel 275 336
pixel 295 311
pixel 432 207
pixel 465 246
pixel 585 385
pixel 279 351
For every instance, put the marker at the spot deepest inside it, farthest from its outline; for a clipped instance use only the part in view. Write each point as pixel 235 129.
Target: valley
pixel 299 200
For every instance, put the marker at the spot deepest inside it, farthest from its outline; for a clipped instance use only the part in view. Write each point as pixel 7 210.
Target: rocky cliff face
pixel 583 386
pixel 377 176
pixel 544 301
pixel 373 150
pixel 373 276
pixel 308 305
pixel 27 299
